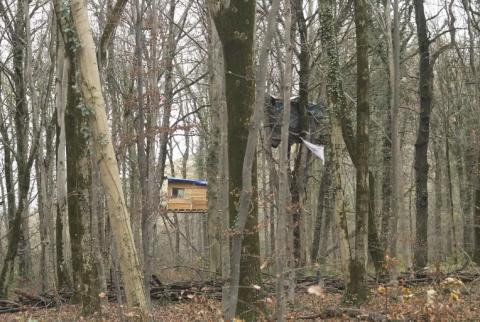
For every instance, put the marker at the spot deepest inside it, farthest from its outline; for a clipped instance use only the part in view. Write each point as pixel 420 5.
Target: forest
pixel 239 160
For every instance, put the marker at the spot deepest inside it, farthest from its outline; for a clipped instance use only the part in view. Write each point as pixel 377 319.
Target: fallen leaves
pixel 447 300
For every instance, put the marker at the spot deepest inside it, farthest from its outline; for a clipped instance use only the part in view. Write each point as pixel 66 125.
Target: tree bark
pixel 217 103
pixel 61 214
pixel 423 135
pixel 93 98
pixel 79 206
pixel 236 25
pixel 357 286
pixel 398 208
pixel 283 258
pixel 323 194
pixel 142 163
pixel 453 230
pixel 438 239
pixel 335 102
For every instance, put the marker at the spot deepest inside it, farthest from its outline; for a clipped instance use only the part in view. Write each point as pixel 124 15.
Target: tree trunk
pixel 79 206
pixel 323 195
pixel 60 100
pixel 470 154
pixel 398 209
pixel 236 25
pixel 476 215
pixel 141 150
pixel 217 102
pixel 423 135
pixel 283 257
pixel 298 172
pixel 357 286
pixel 91 90
pixel 453 230
pixel 387 186
pixel 438 209
pixel 335 102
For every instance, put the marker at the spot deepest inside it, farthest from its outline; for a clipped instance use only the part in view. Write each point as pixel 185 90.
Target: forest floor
pixel 445 299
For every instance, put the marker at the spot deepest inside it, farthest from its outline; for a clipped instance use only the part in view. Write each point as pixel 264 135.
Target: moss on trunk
pixel 85 277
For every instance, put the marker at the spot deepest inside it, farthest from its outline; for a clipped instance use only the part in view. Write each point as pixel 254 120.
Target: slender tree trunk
pixel 217 102
pixel 470 154
pixel 96 227
pixel 141 149
pixel 398 208
pixel 298 172
pixel 61 214
pixel 281 244
pixel 25 264
pixel 453 230
pixel 387 186
pixel 476 215
pixel 438 209
pixel 169 95
pixel 323 194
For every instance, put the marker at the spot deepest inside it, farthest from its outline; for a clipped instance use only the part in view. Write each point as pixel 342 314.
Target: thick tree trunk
pixel 357 286
pixel 423 135
pixel 335 102
pixel 79 207
pixel 91 90
pixel 236 25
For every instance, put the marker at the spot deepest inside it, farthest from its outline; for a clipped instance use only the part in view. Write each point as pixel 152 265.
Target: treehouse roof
pixel 196 182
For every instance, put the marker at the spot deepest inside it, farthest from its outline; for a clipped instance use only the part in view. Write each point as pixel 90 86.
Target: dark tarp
pixel 274 109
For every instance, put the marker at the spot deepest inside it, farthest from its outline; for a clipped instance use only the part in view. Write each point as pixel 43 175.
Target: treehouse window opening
pixel 178 193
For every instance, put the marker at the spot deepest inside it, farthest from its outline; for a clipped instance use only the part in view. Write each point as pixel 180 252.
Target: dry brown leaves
pixel 448 301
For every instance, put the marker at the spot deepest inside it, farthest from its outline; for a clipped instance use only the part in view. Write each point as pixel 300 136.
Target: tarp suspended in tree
pixel 317 150
pixel 274 108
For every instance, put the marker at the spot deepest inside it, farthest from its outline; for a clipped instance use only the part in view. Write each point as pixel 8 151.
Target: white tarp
pixel 318 150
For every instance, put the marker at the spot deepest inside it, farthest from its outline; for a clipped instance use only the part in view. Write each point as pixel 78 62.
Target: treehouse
pixel 186 195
